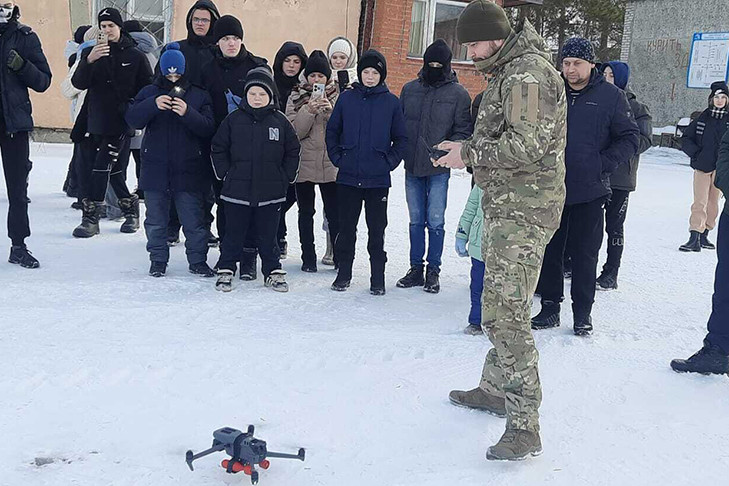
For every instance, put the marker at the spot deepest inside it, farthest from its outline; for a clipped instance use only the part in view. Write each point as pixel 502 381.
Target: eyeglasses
pixel 196 20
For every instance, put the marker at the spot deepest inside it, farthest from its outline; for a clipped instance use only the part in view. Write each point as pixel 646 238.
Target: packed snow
pixel 111 375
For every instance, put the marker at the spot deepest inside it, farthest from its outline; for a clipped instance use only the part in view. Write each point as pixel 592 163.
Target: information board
pixel 709 59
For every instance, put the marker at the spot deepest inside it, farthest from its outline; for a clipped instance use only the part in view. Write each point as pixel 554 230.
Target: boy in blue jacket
pixel 366 139
pixel 178 117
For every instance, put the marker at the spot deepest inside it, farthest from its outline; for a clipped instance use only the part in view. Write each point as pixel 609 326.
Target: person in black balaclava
pixel 429 122
pixel 24 67
pixel 290 61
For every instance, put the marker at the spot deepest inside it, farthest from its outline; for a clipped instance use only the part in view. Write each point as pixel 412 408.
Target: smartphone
pixel 102 38
pixel 318 91
pixel 343 79
pixel 433 151
pixel 176 92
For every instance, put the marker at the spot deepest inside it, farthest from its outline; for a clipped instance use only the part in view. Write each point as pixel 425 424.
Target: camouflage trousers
pixel 512 253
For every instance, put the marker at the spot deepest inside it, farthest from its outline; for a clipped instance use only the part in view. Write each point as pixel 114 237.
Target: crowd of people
pixel 219 136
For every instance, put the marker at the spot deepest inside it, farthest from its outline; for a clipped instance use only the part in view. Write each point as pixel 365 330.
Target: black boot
pixel 377 277
pixel 583 325
pixel 248 264
pixel 704 241
pixel 89 221
pixel 432 280
pixel 414 277
pixel 19 255
pixel 201 269
pixel 709 359
pixel 608 279
pixel 693 244
pixel 548 317
pixel 344 277
pixel 157 269
pixel 130 210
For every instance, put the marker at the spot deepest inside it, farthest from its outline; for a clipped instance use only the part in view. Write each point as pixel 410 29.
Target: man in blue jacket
pixel 437 108
pixel 24 66
pixel 601 134
pixel 366 139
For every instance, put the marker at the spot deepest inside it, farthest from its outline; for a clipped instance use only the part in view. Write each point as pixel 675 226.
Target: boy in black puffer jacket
pixel 179 122
pixel 256 155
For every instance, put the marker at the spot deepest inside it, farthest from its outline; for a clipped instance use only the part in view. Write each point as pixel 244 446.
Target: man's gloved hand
pixel 15 62
pixel 461 247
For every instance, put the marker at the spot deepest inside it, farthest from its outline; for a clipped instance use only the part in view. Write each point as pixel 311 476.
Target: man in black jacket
pixel 601 134
pixel 624 180
pixel 436 108
pixel 713 357
pixel 113 72
pixel 24 67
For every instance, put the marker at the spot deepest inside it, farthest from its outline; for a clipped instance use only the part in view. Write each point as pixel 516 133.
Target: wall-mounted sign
pixel 709 59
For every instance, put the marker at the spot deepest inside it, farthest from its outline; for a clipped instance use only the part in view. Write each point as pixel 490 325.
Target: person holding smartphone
pixel 343 60
pixel 309 108
pixel 436 108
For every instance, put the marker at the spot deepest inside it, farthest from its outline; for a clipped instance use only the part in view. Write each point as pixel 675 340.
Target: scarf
pixel 718 112
pixel 302 94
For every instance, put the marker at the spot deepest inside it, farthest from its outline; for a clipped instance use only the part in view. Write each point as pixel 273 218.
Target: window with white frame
pixel 154 15
pixel 435 19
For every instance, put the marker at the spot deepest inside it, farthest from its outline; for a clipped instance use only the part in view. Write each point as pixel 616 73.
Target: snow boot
pixel 480 400
pixel 201 269
pixel 608 279
pixel 704 241
pixel 328 258
pixel 414 277
pixel 19 255
pixel 225 281
pixel 583 325
pixel 515 445
pixel 708 360
pixel 432 280
pixel 344 278
pixel 248 266
pixel 378 291
pixel 158 269
pixel 473 330
pixel 276 280
pixel 693 244
pixel 309 267
pixel 89 220
pixel 130 210
pixel 548 317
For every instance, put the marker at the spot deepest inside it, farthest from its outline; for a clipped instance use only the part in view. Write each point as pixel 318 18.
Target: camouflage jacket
pixel 518 143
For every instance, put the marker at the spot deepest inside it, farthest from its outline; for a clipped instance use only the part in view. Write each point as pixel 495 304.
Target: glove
pixel 461 247
pixel 15 62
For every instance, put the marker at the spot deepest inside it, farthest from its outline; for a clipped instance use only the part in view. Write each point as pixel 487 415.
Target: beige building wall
pixel 267 25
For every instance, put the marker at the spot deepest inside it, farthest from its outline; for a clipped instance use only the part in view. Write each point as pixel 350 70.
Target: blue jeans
pixel 427 198
pixel 191 213
pixel 477 271
pixel 719 320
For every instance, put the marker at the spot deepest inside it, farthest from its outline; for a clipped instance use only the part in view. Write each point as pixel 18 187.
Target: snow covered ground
pixel 113 375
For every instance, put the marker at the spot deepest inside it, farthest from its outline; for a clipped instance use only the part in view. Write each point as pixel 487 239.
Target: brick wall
pixel 391 34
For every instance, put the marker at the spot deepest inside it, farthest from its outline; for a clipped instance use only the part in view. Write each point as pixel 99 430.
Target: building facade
pixel 657 43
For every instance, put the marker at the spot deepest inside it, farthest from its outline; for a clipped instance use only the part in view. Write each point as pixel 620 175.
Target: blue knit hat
pixel 172 60
pixel 580 48
pixel 621 73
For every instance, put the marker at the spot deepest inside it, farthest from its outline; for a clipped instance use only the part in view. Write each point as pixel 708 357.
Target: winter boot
pixel 89 221
pixel 277 281
pixel 432 280
pixel 158 269
pixel 473 330
pixel 705 243
pixel 102 212
pixel 583 325
pixel 344 278
pixel 19 255
pixel 515 445
pixel 709 359
pixel 130 210
pixel 608 279
pixel 248 264
pixel 201 269
pixel 309 267
pixel 693 244
pixel 480 400
pixel 173 237
pixel 225 281
pixel 284 249
pixel 213 241
pixel 328 258
pixel 414 277
pixel 548 317
pixel 377 277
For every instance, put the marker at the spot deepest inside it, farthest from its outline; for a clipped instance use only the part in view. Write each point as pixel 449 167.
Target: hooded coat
pixel 351 67
pixel 35 74
pixel 284 84
pixel 148 44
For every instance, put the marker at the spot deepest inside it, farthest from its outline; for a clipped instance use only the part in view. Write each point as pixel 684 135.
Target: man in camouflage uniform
pixel 517 157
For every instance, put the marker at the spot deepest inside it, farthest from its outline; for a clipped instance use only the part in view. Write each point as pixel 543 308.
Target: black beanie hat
pixel 133 26
pixel 318 63
pixel 228 25
pixel 263 77
pixel 482 20
pixel 719 87
pixel 373 59
pixel 439 52
pixel 111 15
pixel 78 36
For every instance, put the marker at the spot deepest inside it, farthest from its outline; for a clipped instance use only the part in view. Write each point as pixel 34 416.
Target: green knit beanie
pixel 482 20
